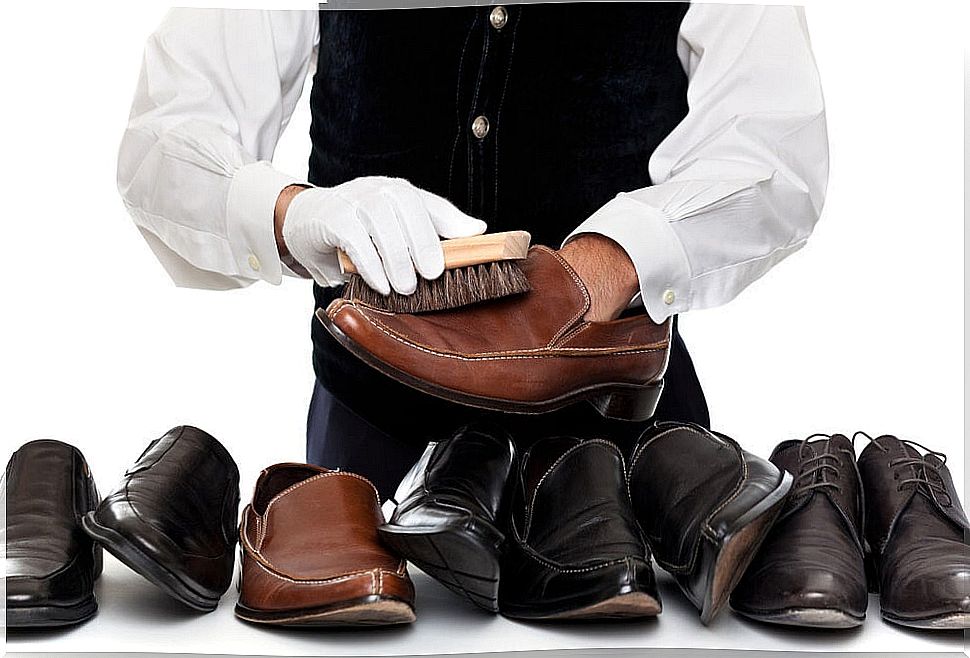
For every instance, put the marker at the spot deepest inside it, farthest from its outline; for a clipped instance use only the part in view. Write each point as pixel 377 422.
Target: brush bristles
pixel 453 289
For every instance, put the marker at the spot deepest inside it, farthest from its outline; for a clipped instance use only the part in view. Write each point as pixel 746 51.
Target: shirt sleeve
pixel 216 90
pixel 740 182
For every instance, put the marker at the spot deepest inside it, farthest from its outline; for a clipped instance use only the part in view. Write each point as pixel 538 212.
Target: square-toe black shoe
pixel 173 517
pixel 704 505
pixel 50 564
pixel 448 512
pixel 810 571
pixel 574 548
pixel 917 532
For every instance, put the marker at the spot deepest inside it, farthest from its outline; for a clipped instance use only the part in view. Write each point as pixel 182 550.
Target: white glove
pixel 388 227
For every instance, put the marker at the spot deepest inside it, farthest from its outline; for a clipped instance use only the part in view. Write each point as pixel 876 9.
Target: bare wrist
pixel 606 270
pixel 279 217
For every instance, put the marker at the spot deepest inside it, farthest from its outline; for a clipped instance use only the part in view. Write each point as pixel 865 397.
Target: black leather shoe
pixel 574 550
pixel 448 512
pixel 173 518
pixel 810 570
pixel 917 533
pixel 704 506
pixel 50 564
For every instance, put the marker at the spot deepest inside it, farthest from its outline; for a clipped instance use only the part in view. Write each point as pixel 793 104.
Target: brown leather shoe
pixel 810 570
pixel 917 534
pixel 311 554
pixel 529 353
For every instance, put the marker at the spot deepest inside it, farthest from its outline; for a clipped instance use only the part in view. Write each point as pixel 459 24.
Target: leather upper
pixel 540 336
pixel 679 475
pixel 309 539
pixel 814 556
pixel 572 526
pixel 49 560
pixel 916 529
pixel 576 511
pixel 178 504
pixel 458 479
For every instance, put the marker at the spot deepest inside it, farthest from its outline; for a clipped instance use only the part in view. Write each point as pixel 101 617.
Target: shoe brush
pixel 477 269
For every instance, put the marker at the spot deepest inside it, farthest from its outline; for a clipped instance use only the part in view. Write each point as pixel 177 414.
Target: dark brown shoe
pixel 810 570
pixel 529 353
pixel 311 554
pixel 917 534
pixel 704 506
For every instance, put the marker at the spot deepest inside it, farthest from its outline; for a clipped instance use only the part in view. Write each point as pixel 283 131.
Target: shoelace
pixel 805 481
pixel 920 469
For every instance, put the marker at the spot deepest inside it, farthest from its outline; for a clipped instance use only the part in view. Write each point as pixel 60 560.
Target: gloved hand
pixel 389 228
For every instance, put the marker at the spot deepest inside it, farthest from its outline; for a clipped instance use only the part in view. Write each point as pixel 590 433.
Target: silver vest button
pixel 499 17
pixel 480 127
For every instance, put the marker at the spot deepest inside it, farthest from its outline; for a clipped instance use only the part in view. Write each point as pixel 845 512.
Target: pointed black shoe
pixel 449 509
pixel 810 570
pixel 50 564
pixel 704 506
pixel 574 550
pixel 173 517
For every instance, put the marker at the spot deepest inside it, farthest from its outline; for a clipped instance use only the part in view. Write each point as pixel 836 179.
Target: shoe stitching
pixel 573 333
pixel 530 552
pixel 302 483
pixel 554 466
pixel 582 288
pixel 532 353
pixel 268 566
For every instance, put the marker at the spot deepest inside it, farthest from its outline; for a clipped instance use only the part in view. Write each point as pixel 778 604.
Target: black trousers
pixel 339 437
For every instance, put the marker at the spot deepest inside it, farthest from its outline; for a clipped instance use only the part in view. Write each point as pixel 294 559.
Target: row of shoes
pixel 566 529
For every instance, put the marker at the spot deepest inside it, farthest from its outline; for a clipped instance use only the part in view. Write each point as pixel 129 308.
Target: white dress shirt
pixel 739 183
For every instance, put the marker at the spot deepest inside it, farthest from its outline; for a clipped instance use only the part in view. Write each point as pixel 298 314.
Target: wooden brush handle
pixel 478 249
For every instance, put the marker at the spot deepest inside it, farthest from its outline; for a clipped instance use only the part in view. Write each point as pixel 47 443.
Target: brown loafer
pixel 311 555
pixel 529 353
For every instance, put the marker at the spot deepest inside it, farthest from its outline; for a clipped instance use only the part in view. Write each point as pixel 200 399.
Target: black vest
pixel 575 97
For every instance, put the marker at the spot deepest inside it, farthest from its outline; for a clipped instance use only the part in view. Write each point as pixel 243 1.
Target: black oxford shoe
pixel 704 505
pixel 50 564
pixel 448 512
pixel 917 534
pixel 574 551
pixel 173 518
pixel 810 570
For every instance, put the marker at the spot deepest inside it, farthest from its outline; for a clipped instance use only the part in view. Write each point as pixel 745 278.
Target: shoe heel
pixel 635 403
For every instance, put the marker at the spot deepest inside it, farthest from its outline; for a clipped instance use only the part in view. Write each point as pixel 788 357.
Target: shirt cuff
pixel 252 238
pixel 658 256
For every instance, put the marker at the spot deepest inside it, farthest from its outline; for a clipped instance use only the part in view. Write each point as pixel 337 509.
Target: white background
pixel 862 329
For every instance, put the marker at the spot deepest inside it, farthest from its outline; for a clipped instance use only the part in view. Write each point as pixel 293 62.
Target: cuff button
pixel 254 262
pixel 669 297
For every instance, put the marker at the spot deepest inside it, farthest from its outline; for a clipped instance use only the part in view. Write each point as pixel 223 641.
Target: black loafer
pixel 449 506
pixel 574 550
pixel 173 518
pixel 704 505
pixel 50 564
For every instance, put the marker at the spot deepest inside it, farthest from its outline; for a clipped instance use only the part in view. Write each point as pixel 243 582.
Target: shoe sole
pixel 628 605
pixel 51 616
pixel 148 568
pixel 806 617
pixel 465 561
pixel 612 400
pixel 739 548
pixel 949 621
pixel 624 606
pixel 366 611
